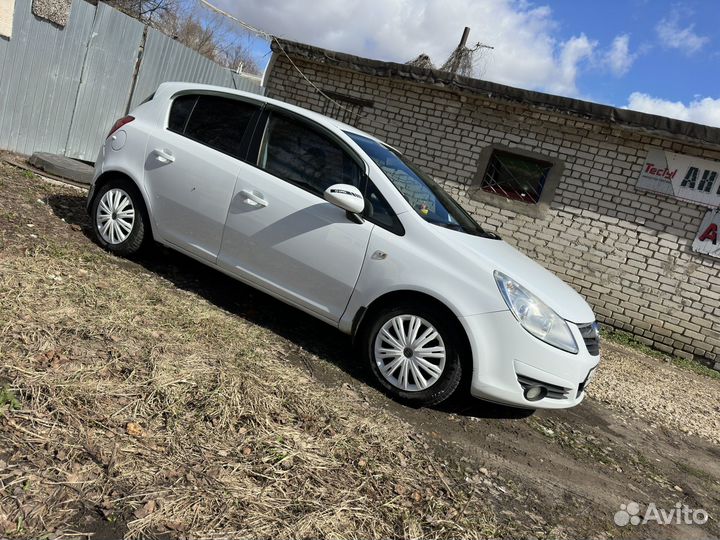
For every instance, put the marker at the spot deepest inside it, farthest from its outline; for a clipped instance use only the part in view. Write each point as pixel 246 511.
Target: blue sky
pixel 675 71
pixel 658 56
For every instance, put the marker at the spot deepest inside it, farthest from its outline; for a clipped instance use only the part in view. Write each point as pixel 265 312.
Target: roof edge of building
pixel 440 79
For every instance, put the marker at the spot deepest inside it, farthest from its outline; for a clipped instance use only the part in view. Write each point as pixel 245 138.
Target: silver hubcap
pixel 410 353
pixel 115 216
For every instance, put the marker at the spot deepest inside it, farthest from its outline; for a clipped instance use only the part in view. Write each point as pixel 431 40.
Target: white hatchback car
pixel 342 226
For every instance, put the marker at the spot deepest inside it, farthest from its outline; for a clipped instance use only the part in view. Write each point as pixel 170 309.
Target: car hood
pixel 498 255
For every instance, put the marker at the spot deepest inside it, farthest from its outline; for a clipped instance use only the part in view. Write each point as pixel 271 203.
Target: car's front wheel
pixel 119 218
pixel 413 352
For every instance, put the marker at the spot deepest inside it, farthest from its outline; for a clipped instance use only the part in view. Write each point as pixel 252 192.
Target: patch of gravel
pixel 658 392
pixel 57 11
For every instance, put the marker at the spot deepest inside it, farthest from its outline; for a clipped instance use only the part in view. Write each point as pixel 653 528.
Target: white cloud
pixel 700 110
pixel 526 52
pixel 573 52
pixel 619 59
pixel 673 36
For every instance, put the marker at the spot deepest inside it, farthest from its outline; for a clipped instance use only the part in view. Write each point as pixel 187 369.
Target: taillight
pixel 120 123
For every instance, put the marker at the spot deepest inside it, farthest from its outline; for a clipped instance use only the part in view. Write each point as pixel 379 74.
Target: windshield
pixel 422 192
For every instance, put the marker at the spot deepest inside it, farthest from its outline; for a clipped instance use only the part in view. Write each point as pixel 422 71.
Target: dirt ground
pixel 159 398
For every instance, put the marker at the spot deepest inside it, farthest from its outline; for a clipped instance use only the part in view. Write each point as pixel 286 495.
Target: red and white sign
pixel 685 177
pixel 707 240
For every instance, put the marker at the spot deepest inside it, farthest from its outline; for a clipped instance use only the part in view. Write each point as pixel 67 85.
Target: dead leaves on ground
pixel 135 430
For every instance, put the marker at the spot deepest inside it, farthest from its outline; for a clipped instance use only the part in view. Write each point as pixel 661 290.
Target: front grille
pixel 591 336
pixel 553 391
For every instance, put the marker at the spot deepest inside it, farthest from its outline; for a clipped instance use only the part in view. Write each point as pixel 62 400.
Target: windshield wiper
pixel 479 231
pixel 446 224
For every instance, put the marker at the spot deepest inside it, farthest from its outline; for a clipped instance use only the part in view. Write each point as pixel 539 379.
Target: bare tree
pixel 152 10
pixel 238 58
pixel 208 33
pixel 147 11
pixel 190 30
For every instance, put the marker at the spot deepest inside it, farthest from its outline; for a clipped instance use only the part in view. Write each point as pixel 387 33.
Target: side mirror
pixel 346 197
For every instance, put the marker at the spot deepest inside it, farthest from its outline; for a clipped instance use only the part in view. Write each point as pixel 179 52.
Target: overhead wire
pixel 274 39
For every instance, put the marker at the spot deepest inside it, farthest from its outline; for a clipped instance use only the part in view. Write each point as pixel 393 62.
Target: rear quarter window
pixel 215 121
pixel 180 112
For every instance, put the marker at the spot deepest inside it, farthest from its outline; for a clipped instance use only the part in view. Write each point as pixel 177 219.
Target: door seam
pixel 362 266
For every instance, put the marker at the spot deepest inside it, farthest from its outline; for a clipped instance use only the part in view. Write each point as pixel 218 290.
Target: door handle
pixel 254 198
pixel 163 156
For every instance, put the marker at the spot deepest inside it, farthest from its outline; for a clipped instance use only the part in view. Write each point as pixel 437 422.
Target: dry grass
pixel 144 405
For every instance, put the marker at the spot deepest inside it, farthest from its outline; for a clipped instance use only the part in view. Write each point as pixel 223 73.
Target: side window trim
pixel 187 120
pixel 397 226
pixel 247 134
pixel 170 110
pixel 258 137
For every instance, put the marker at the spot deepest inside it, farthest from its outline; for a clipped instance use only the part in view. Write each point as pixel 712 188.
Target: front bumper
pixel 506 356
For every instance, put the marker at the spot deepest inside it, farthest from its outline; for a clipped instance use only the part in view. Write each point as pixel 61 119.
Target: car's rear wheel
pixel 413 352
pixel 118 217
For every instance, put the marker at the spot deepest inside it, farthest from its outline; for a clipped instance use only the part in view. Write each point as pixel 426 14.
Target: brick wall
pixel 627 251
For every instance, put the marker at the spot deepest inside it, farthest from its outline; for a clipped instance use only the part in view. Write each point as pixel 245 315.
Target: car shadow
pixel 299 328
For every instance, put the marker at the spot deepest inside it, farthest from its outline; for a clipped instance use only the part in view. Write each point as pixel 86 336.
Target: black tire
pixel 452 374
pixel 139 233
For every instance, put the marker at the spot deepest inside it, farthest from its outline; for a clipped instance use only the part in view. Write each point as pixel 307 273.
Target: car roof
pixel 174 87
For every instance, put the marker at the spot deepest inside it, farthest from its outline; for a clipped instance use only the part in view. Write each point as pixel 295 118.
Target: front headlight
pixel 537 318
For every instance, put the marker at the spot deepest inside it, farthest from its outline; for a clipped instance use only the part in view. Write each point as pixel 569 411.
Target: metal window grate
pixel 515 177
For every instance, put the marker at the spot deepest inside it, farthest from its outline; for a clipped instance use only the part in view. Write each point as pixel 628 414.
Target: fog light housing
pixel 535 393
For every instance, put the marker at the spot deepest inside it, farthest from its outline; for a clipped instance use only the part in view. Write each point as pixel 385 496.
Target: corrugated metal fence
pixel 106 80
pixel 61 88
pixel 165 59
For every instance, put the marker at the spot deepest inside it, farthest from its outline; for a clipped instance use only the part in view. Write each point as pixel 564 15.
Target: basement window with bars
pixel 516 179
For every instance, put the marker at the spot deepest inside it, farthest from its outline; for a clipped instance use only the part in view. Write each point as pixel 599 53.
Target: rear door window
pixel 215 121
